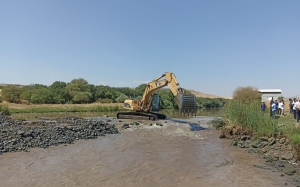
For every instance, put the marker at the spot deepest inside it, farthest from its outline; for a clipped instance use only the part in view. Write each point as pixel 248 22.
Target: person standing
pixel 263 107
pixel 297 107
pixel 281 108
pixel 273 109
pixel 294 109
pixel 276 103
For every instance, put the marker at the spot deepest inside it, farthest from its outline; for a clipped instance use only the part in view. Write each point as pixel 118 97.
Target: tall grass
pixel 5 109
pixel 250 117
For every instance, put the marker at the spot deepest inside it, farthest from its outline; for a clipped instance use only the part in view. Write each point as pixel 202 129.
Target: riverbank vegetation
pixel 244 111
pixel 35 97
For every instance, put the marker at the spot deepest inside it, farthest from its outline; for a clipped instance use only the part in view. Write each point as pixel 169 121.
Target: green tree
pixel 26 92
pixel 82 97
pixel 122 97
pixel 139 91
pixel 11 94
pixel 76 86
pixel 59 92
pixel 41 95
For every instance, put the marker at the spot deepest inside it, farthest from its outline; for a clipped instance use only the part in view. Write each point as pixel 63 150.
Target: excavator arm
pixel 186 102
pixel 143 109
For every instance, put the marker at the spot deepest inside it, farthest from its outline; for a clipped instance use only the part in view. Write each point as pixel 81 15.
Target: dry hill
pixel 200 94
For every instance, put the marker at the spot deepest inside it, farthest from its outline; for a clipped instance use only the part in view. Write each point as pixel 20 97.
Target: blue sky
pixel 211 46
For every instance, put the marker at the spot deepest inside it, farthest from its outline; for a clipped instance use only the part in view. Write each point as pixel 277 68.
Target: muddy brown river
pixel 164 156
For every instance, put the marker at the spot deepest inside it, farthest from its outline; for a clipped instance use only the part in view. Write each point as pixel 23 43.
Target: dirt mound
pixel 235 132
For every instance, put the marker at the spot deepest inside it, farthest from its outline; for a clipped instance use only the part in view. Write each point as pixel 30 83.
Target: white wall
pixel 264 97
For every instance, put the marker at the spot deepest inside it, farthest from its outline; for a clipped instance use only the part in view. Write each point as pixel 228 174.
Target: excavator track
pixel 141 115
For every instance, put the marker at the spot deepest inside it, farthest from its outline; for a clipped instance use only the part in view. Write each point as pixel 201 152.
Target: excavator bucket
pixel 187 104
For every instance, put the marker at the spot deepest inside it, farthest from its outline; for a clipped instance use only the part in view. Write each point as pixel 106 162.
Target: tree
pixel 41 95
pixel 139 91
pixel 77 85
pixel 246 95
pixel 11 94
pixel 26 92
pixel 59 92
pixel 82 97
pixel 121 98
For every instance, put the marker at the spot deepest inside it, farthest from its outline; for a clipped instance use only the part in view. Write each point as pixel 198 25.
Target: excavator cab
pixel 155 103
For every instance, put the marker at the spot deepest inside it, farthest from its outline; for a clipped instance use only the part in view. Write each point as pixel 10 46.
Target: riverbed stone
pixel 289 170
pixel 256 144
pixel 264 138
pixel 271 141
pixel 287 156
pixel 245 137
pixel 282 140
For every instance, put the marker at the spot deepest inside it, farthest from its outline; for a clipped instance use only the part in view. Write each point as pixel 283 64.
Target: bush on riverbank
pixel 250 117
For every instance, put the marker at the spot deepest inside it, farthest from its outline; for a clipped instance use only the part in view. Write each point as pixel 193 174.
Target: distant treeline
pixel 80 91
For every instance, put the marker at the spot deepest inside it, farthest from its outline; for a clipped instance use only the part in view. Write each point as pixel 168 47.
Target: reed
pixel 250 117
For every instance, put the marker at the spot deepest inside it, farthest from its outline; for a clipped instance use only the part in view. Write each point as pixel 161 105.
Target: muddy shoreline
pixel 174 152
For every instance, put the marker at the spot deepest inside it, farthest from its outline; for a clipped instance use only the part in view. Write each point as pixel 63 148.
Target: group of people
pixel 278 108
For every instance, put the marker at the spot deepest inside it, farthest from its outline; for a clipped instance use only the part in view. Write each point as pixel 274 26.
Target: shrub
pixel 250 117
pixel 246 95
pixel 4 109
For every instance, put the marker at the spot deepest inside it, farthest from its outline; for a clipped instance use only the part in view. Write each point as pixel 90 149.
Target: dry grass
pixel 56 106
pixel 200 94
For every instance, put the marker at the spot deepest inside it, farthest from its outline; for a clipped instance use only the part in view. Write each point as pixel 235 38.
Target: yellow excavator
pixel 148 106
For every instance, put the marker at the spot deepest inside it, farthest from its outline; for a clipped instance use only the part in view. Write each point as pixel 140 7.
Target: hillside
pixel 200 94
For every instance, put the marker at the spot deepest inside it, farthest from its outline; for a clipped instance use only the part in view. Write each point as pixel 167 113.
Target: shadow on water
pixel 194 126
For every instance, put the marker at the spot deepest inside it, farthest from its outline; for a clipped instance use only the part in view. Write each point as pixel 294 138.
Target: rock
pixel 244 138
pixel 279 164
pixel 282 141
pixel 241 144
pixel 125 126
pixel 134 123
pixel 263 144
pixel 251 150
pixel 280 125
pixel 234 143
pixel 256 144
pixel 287 156
pixel 297 179
pixel 289 170
pixel 271 141
pixel 17 136
pixel 19 132
pixel 264 139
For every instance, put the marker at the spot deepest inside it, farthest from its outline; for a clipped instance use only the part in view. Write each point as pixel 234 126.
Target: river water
pixel 171 155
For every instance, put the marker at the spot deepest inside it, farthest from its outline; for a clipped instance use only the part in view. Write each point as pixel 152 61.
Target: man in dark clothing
pixel 263 107
pixel 276 103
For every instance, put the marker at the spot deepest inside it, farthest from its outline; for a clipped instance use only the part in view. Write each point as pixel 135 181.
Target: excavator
pixel 148 106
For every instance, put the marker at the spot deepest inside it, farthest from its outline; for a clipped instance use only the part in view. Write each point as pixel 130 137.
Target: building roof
pixel 270 90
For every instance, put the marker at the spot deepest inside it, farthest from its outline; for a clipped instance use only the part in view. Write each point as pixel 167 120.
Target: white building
pixel 267 94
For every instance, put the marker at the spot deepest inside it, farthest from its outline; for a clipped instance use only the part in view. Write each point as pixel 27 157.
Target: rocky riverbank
pixel 277 152
pixel 22 135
